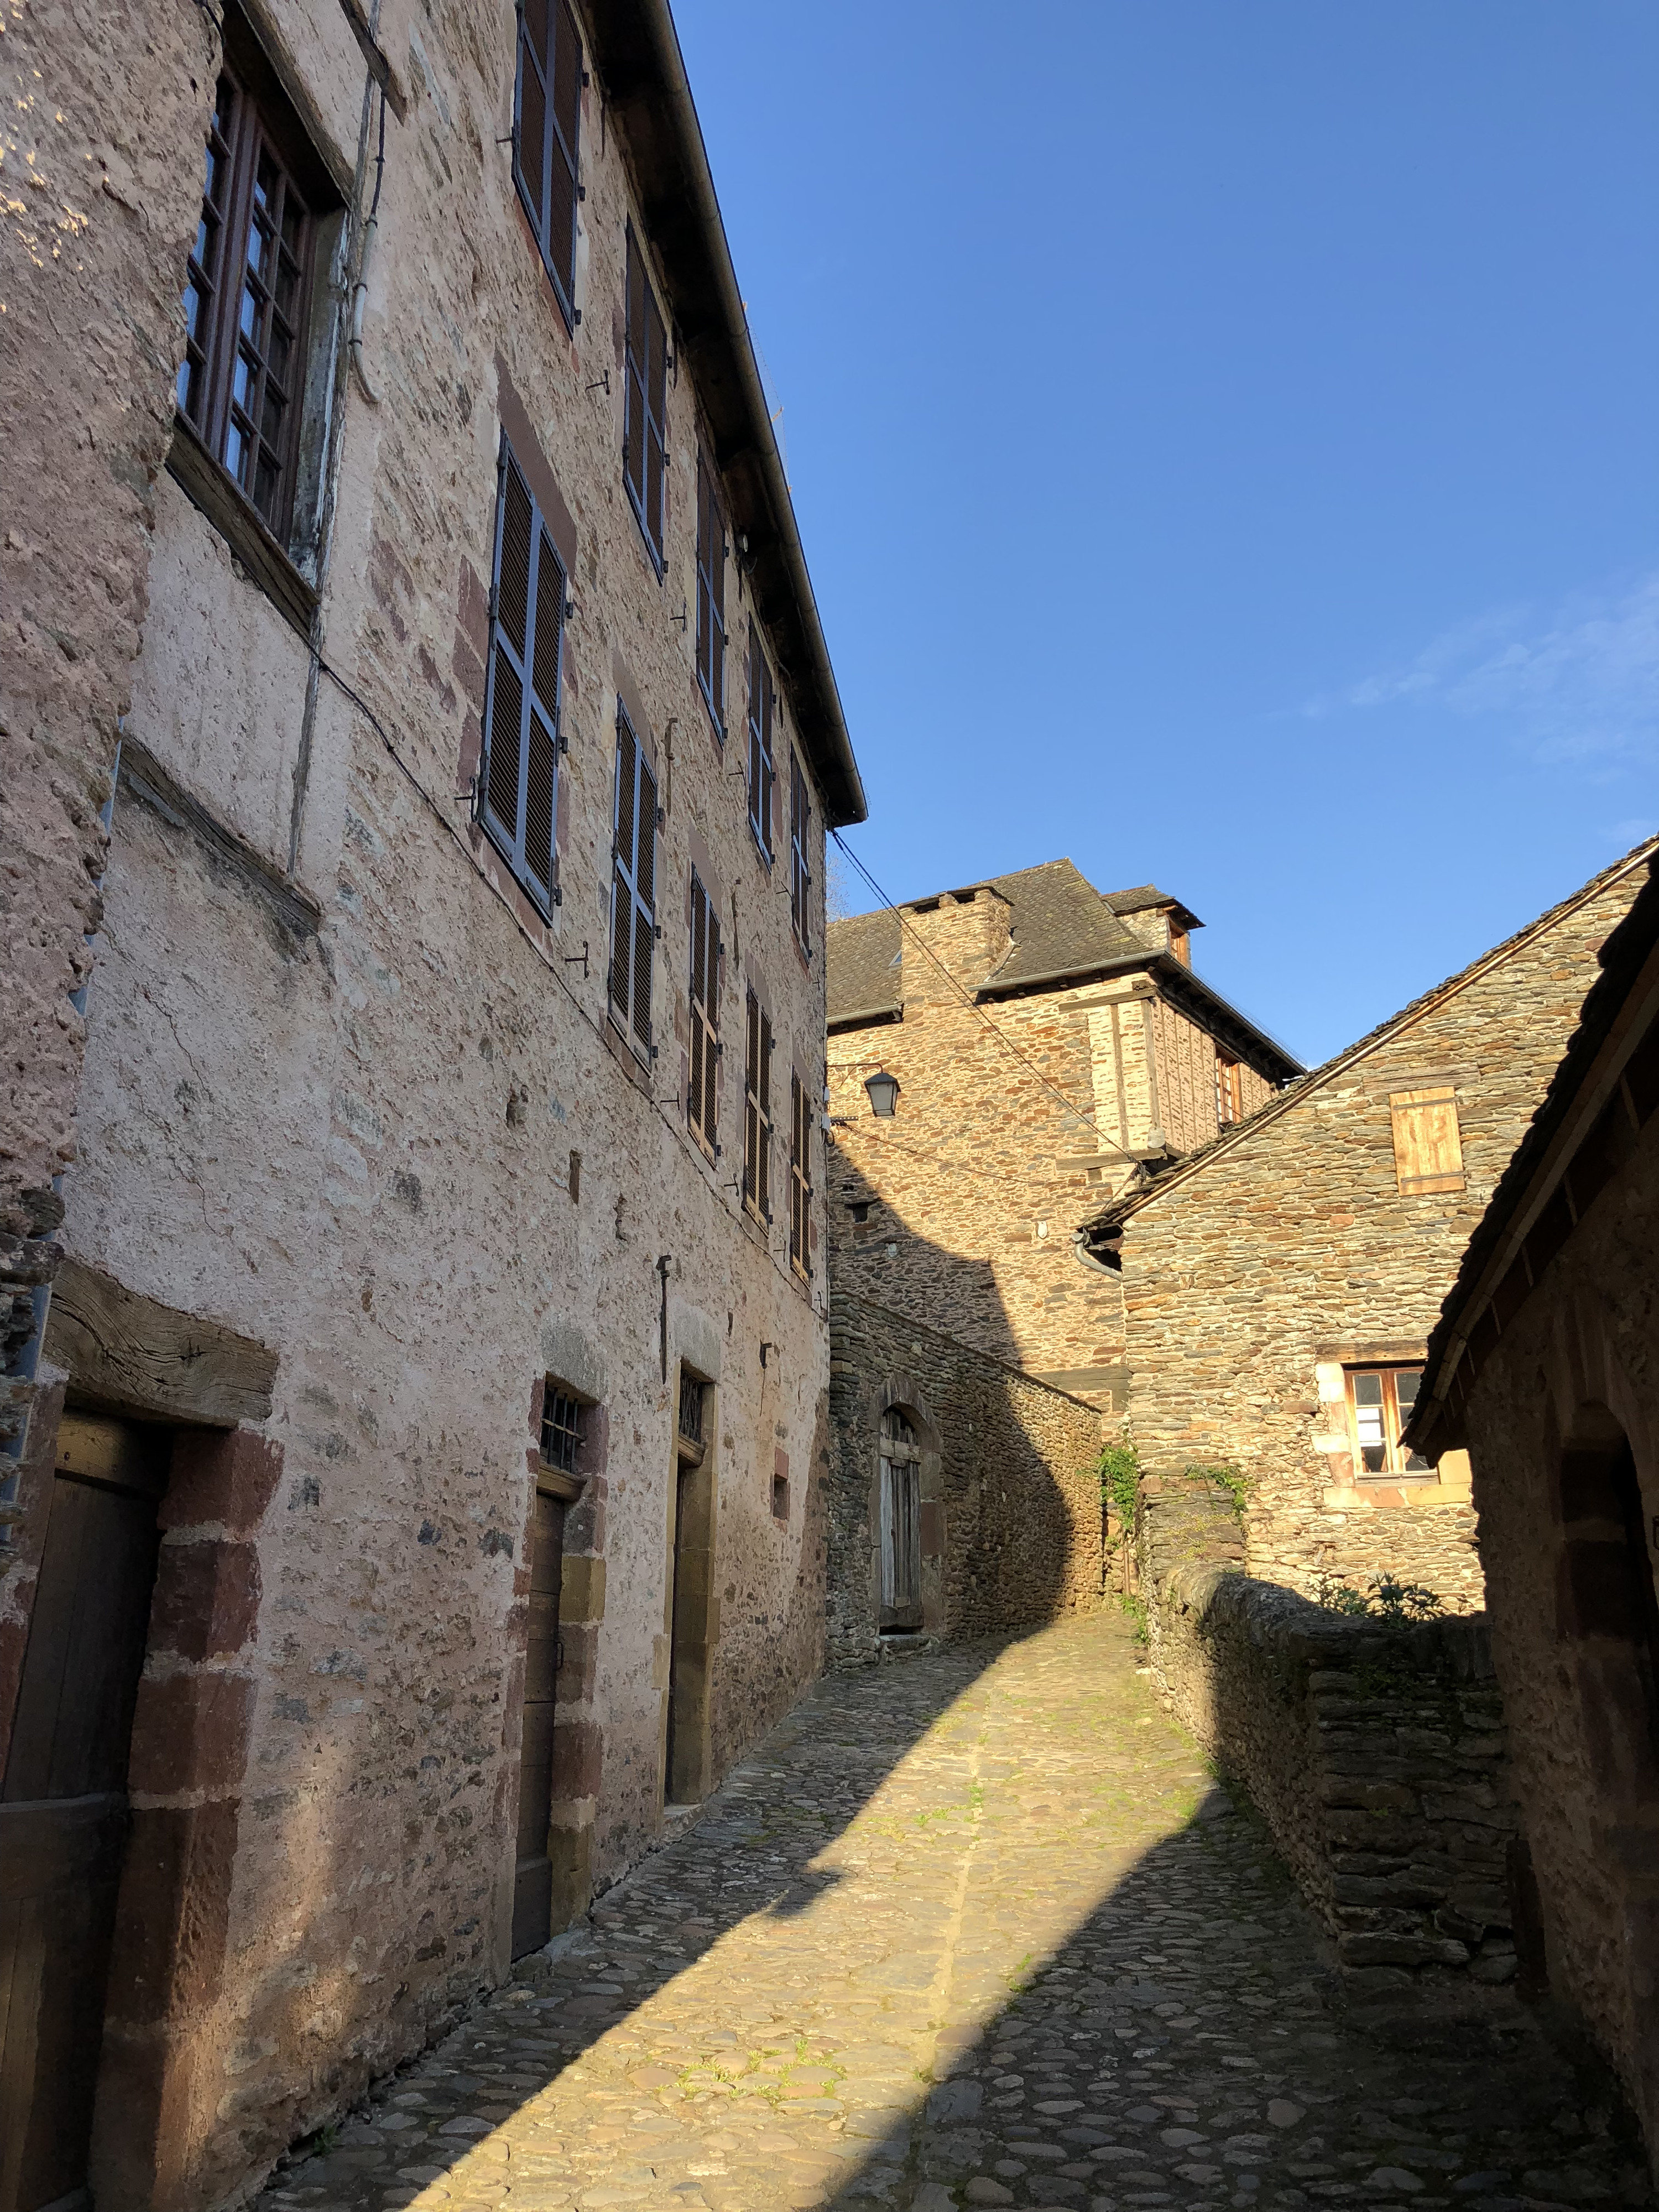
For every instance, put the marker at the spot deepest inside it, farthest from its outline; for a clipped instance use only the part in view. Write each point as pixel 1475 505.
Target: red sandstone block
pixel 225 1475
pixel 191 1732
pixel 207 1598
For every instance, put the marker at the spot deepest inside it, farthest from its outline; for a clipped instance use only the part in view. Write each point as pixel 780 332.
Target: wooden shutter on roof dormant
pixel 519 782
pixel 761 773
pixel 703 1090
pixel 1428 1144
pixel 645 404
pixel 711 594
pixel 633 886
pixel 546 122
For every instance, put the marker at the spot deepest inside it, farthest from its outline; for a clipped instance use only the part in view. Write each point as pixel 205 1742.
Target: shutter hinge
pixel 564 743
pixel 558 896
pixel 575 314
pixel 581 189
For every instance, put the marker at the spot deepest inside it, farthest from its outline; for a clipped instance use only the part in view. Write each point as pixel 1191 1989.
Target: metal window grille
pixel 561 1430
pixel 691 1409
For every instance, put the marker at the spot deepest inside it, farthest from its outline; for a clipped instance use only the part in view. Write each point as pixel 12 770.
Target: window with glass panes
pixel 246 288
pixel 1381 1400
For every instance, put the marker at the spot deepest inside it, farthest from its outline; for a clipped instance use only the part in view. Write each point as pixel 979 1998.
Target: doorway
pixel 63 1814
pixel 532 1880
pixel 691 1568
pixel 900 1515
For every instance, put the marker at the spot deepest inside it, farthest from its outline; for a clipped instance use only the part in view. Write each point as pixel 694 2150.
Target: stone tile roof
pixel 1145 895
pixel 1061 926
pixel 1138 1195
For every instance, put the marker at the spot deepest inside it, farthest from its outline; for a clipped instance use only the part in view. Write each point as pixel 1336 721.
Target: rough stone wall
pixel 1576 1369
pixel 1011 1524
pixel 340 1107
pixel 95 213
pixel 1376 1755
pixel 975 1185
pixel 1247 1287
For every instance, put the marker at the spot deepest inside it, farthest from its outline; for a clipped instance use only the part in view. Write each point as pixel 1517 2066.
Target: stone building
pixel 1279 1285
pixel 1544 1366
pixel 416 1425
pixel 1048 1040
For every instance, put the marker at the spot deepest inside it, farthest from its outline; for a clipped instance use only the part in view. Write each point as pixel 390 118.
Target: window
pixel 633 887
pixel 547 111
pixel 702 1091
pixel 1428 1146
pixel 247 296
pixel 757 1114
pixel 644 438
pixel 800 870
pixel 762 703
pixel 519 781
pixel 780 1498
pixel 711 596
pixel 800 1173
pixel 1229 1091
pixel 1380 1403
pixel 561 1428
pixel 900 1520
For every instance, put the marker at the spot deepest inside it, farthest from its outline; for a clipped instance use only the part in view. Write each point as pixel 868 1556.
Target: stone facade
pixel 1376 1755
pixel 1011 1509
pixel 1261 1275
pixel 366 1176
pixel 1545 1366
pixel 1046 1044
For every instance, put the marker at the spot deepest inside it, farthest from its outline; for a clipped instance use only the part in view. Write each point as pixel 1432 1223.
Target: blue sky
pixel 1225 443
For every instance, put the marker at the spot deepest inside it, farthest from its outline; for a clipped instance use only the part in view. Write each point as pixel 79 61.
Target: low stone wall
pixel 1011 1514
pixel 1376 1755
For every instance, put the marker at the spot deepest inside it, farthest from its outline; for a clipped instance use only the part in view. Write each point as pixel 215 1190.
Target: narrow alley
pixel 974 1931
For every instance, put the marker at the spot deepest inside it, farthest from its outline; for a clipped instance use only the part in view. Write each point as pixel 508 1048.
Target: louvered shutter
pixel 645 902
pixel 521 709
pixel 751 1103
pixel 621 887
pixel 565 118
pixel 763 1175
pixel 800 872
pixel 530 134
pixel 704 1083
pixel 656 392
pixel 634 401
pixel 546 126
pixel 761 771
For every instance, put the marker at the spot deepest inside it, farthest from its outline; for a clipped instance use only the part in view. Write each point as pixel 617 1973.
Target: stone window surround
pixel 1447 1484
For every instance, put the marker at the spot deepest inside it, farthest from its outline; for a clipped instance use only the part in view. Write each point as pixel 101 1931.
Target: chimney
pixel 968 934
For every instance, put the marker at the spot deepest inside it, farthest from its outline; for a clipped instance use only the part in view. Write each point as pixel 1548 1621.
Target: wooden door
pixel 63 1802
pixel 532 1885
pixel 900 1510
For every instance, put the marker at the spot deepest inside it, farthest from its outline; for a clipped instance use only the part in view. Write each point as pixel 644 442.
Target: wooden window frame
pixel 1229 1091
pixel 761 770
pixel 711 595
pixel 1396 1466
pixel 1428 1140
pixel 633 889
pixel 645 403
pixel 517 796
pixel 704 996
pixel 758 1111
pixel 549 80
pixel 800 859
pixel 800 1176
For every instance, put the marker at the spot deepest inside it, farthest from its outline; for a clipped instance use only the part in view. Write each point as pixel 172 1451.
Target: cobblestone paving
pixel 973 1931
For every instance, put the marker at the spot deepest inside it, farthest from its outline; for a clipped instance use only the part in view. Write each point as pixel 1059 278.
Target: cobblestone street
pixel 977 1930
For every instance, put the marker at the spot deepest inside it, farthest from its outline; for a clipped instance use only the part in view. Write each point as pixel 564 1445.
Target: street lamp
pixel 884 1089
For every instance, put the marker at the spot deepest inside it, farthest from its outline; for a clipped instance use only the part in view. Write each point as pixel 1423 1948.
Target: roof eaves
pixel 636 51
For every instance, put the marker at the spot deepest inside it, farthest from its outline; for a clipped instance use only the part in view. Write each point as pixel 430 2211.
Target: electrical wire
pixel 785 1275
pixel 973 1006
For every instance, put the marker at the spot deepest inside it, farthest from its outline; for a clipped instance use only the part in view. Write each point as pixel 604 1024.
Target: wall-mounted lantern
pixel 884 1089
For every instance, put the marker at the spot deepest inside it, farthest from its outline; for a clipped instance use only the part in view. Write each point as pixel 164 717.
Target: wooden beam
pixel 125 1351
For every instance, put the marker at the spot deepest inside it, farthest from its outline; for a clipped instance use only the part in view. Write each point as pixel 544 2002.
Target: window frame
pixel 713 636
pixel 511 838
pixel 570 1436
pixel 760 770
pixel 758 1130
pixel 554 134
pixel 1427 1132
pixel 800 1176
pixel 1397 1465
pixel 640 372
pixel 634 768
pixel 703 1001
pixel 800 858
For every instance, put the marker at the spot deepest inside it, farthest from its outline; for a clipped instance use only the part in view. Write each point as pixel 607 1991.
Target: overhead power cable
pixel 974 1007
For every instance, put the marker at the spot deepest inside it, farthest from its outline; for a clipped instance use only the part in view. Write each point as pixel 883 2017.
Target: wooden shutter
pixel 800 1181
pixel 800 873
pixel 529 129
pixel 546 121
pixel 761 769
pixel 764 1174
pixel 564 118
pixel 711 595
pixel 634 399
pixel 1428 1145
pixel 521 711
pixel 646 400
pixel 757 1112
pixel 633 886
pixel 704 1086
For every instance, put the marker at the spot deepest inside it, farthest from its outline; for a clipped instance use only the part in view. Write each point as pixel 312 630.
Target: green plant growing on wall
pixel 1386 1598
pixel 1224 1475
pixel 1120 1485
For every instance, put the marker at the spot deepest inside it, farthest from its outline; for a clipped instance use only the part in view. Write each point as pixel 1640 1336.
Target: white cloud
pixel 1577 680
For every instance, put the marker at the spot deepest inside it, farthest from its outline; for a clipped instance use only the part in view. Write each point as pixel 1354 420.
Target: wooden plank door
pixel 532 1884
pixel 63 1801
pixel 901 1543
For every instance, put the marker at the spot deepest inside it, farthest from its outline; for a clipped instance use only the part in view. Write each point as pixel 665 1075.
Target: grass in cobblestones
pixel 954 1938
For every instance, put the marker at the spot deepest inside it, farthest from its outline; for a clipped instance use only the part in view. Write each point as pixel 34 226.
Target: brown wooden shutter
pixel 763 1177
pixel 1428 1145
pixel 645 903
pixel 699 984
pixel 751 1103
pixel 622 888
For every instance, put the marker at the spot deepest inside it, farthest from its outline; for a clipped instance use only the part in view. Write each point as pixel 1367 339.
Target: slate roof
pixel 1144 896
pixel 1140 1194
